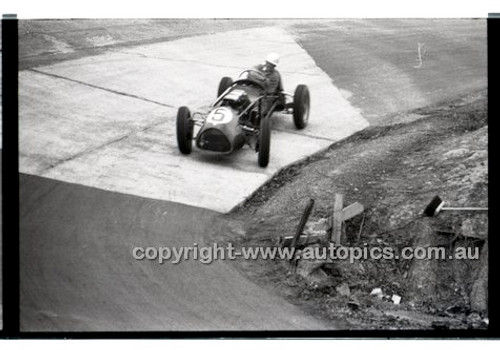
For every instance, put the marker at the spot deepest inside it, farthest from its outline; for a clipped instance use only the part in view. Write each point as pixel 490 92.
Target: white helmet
pixel 273 58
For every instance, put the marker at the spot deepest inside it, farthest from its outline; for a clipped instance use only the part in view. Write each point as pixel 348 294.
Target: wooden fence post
pixel 337 218
pixel 302 223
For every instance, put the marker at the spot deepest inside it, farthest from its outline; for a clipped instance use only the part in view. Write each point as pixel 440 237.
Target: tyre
pixel 301 106
pixel 185 128
pixel 223 85
pixel 264 142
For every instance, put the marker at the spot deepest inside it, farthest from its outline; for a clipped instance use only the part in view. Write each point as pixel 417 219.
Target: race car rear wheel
pixel 264 144
pixel 301 106
pixel 185 126
pixel 223 85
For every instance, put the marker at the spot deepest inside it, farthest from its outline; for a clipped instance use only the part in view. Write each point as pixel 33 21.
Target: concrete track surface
pixel 116 129
pixel 102 174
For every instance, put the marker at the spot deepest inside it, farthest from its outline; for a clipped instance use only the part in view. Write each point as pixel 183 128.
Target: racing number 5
pixel 218 116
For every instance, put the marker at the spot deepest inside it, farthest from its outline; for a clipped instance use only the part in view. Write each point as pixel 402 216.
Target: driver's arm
pixel 280 82
pixel 258 77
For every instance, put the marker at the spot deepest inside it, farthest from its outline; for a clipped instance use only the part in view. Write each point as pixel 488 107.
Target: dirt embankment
pixel 394 171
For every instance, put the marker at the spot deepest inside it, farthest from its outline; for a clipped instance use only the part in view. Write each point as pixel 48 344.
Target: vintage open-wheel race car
pixel 241 115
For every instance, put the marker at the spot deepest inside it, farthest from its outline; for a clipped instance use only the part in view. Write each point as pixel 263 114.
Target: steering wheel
pixel 242 74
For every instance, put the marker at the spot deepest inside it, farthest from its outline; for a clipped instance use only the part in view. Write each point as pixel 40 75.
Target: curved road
pixel 78 273
pixel 78 227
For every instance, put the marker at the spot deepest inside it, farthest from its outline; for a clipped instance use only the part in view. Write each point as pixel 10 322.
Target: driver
pixel 271 77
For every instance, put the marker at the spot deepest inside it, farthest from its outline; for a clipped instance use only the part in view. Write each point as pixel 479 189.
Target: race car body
pixel 240 115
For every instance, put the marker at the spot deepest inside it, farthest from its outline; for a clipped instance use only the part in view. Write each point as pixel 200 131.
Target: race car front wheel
pixel 185 128
pixel 301 104
pixel 264 142
pixel 223 85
